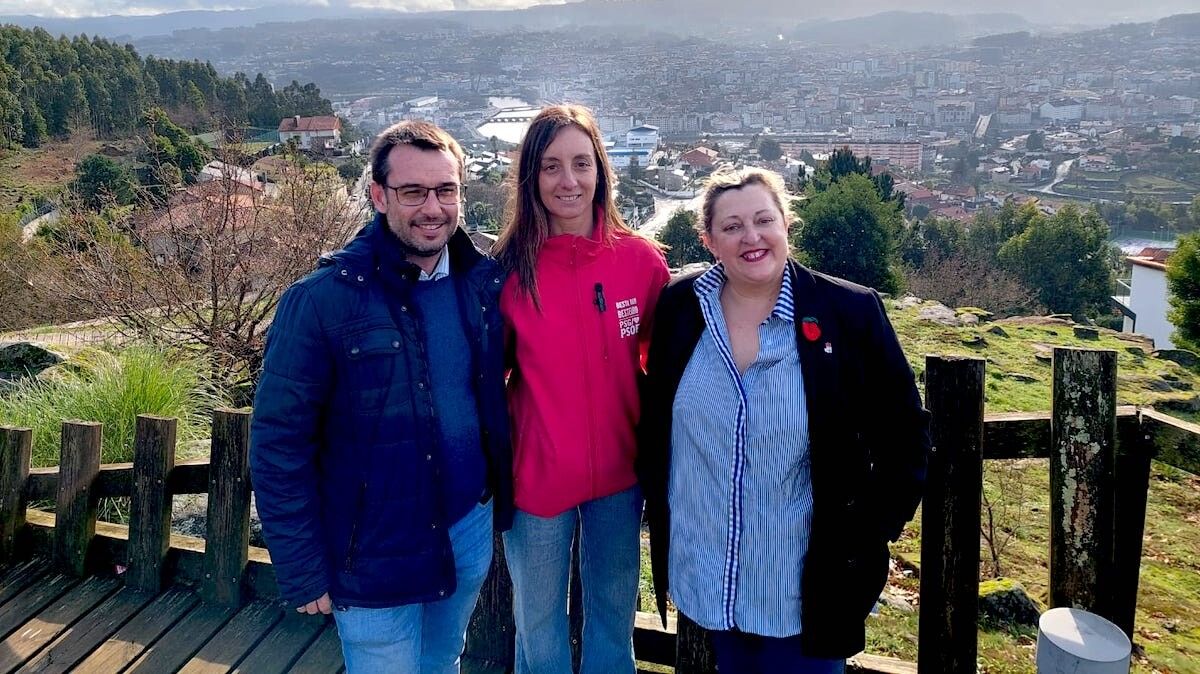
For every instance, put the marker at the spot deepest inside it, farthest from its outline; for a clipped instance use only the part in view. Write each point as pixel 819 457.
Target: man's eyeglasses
pixel 415 195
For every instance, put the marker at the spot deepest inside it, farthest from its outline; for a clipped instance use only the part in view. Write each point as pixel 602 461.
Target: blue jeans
pixel 422 638
pixel 753 654
pixel 538 550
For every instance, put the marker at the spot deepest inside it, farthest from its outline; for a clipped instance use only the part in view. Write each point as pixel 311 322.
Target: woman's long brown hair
pixel 527 226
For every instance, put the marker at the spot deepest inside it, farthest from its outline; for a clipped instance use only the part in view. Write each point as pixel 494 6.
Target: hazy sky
pixel 1071 11
pixel 70 8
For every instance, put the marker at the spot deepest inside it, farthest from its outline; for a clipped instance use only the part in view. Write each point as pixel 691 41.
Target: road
pixel 664 208
pixel 1060 174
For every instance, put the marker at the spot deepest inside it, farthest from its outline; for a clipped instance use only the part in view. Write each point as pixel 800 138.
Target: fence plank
pixel 1082 483
pixel 150 504
pixel 1133 465
pixel 227 532
pixel 75 508
pixel 16 446
pixel 948 636
pixel 116 480
pixel 1173 441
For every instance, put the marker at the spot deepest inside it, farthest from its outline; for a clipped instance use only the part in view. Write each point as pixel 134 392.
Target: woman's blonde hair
pixel 734 179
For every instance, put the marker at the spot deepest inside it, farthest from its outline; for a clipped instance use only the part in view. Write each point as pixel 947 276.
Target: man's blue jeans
pixel 422 638
pixel 538 550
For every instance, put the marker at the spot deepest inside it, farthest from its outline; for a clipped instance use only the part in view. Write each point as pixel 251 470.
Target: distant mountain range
pixel 848 21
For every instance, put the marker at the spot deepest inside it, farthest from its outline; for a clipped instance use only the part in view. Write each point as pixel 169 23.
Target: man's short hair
pixel 415 132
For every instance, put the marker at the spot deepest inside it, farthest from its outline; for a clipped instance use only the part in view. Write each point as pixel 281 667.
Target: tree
pixel 926 241
pixel 768 149
pixel 100 182
pixel 1194 211
pixel 842 163
pixel 992 229
pixel 1036 141
pixel 1183 287
pixel 351 169
pixel 965 279
pixel 1065 258
pixel 206 271
pixel 848 231
pixel 682 239
pixel 481 216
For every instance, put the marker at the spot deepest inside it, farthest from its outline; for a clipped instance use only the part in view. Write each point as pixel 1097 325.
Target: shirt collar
pixel 441 271
pixel 710 283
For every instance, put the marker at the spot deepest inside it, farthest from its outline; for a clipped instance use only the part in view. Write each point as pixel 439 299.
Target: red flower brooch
pixel 810 328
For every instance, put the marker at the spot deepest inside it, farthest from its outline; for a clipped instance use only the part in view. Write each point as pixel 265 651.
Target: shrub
pixel 138 380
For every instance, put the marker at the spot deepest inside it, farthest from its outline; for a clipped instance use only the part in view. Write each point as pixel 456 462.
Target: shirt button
pixel 433 525
pixel 360 278
pixel 421 385
pixel 403 307
pixel 429 457
pixel 441 593
pixel 396 344
pixel 353 350
pixel 345 273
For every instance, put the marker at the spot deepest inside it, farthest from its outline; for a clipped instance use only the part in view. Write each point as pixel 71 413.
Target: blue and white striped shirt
pixel 740 486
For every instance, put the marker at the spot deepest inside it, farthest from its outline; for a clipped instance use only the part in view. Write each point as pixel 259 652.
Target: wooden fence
pixel 1097 520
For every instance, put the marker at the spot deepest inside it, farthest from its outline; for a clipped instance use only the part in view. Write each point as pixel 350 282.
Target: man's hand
pixel 321 605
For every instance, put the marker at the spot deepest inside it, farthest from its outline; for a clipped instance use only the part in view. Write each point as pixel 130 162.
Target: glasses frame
pixel 459 189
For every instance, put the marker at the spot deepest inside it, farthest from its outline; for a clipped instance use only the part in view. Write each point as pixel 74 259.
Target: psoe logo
pixel 628 317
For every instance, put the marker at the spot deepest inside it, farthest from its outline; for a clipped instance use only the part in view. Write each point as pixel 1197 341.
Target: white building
pixel 1061 110
pixel 311 133
pixel 643 137
pixel 1145 307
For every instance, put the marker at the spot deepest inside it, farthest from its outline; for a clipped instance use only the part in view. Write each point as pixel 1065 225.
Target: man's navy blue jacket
pixel 344 449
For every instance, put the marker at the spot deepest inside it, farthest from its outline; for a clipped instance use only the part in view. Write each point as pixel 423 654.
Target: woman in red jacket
pixel 577 306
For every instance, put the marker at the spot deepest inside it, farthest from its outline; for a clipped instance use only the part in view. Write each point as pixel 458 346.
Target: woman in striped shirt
pixel 783 443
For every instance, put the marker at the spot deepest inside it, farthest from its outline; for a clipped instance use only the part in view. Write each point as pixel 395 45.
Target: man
pixel 380 446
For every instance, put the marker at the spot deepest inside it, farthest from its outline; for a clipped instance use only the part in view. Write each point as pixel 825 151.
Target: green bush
pixel 114 391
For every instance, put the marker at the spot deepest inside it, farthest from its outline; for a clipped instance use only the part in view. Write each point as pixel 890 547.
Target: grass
pixel 26 174
pixel 113 389
pixel 1093 185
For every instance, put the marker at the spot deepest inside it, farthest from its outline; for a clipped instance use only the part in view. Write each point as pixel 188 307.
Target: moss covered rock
pixel 1004 602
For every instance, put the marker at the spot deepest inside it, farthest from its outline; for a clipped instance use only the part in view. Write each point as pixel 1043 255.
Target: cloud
pixel 80 8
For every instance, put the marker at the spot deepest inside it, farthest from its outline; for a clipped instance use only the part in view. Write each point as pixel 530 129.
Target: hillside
pixel 1018 379
pixel 54 88
pixel 1018 358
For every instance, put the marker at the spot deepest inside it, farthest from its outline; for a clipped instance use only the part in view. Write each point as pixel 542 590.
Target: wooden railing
pixel 1096 520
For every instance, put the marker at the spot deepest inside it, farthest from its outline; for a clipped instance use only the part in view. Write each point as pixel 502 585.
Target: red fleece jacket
pixel 573 393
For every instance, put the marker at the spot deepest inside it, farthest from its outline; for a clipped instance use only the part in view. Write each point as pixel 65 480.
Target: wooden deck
pixel 51 622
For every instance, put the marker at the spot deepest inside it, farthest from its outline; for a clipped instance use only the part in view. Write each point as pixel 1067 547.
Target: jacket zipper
pixel 362 495
pixel 587 383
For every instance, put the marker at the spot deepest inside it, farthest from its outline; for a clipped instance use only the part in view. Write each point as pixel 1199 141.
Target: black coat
pixel 868 442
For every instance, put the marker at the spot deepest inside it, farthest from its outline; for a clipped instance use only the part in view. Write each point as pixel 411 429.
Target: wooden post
pixel 1083 430
pixel 490 632
pixel 227 532
pixel 1134 450
pixel 947 632
pixel 16 446
pixel 75 509
pixel 150 503
pixel 693 649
